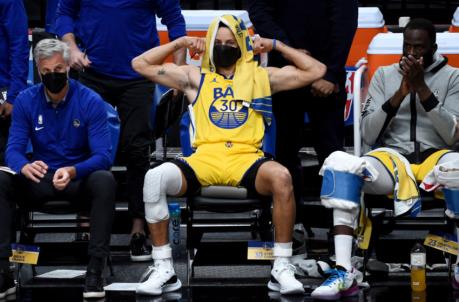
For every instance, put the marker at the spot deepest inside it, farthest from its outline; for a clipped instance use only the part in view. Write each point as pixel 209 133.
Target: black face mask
pixel 225 56
pixel 54 81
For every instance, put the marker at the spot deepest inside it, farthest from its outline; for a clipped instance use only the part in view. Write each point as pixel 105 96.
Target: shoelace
pixel 150 271
pixel 334 274
pixel 290 268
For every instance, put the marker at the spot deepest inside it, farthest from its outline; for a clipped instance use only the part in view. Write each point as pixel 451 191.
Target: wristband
pixel 274 44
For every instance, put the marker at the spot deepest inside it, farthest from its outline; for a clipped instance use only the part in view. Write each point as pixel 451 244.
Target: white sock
pixel 282 249
pixel 162 253
pixel 343 251
pixel 164 262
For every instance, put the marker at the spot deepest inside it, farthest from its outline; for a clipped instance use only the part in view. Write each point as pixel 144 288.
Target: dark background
pixel 438 11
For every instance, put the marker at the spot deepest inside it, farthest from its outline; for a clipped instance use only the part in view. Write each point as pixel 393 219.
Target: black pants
pixel 4 130
pixel 133 99
pixel 97 192
pixel 326 119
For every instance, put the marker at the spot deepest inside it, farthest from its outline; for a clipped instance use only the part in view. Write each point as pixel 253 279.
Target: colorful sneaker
pixel 340 283
pixel 283 278
pixel 7 284
pixel 159 278
pixel 140 251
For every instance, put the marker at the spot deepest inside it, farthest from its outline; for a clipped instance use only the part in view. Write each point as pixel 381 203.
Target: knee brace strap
pixel 160 182
pixel 341 189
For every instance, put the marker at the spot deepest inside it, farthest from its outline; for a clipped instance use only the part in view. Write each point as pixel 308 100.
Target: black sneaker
pixel 7 284
pixel 94 285
pixel 140 251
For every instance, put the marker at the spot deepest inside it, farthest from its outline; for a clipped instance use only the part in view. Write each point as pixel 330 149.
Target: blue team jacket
pixel 75 133
pixel 14 47
pixel 113 32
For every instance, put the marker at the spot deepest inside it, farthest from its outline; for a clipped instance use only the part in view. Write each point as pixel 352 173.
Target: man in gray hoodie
pixel 411 112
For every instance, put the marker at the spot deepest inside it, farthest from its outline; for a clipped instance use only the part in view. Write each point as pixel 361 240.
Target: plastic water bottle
pixel 174 228
pixel 418 268
pixel 418 296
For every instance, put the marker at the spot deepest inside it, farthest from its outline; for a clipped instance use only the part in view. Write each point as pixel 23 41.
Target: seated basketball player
pixel 231 105
pixel 410 116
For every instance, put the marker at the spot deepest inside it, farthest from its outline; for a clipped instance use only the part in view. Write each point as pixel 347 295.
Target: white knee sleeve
pixel 161 181
pixel 345 217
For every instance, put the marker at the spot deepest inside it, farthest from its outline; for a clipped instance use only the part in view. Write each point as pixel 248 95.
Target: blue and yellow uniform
pixel 228 133
pixel 229 114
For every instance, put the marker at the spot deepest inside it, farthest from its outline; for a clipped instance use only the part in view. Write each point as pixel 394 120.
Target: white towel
pixel 341 161
pixel 442 175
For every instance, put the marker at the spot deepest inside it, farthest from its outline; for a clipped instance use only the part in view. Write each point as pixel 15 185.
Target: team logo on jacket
pixel 76 123
pixel 226 112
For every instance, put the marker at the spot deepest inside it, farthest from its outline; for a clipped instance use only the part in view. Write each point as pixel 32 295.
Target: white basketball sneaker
pixel 159 278
pixel 283 278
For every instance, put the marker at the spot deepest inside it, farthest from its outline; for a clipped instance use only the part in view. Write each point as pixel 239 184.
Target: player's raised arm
pixel 151 64
pixel 303 71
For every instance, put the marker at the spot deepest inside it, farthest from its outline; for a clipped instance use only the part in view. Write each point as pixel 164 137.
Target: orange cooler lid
pixel 392 43
pixel 370 17
pixel 455 21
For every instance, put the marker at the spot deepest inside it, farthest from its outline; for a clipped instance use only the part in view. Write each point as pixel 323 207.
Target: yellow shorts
pixel 222 163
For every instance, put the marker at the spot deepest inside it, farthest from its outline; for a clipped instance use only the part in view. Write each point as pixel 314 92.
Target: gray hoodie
pixel 414 127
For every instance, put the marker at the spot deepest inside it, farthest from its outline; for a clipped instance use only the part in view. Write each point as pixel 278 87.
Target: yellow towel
pixel 408 179
pixel 251 82
pixel 406 189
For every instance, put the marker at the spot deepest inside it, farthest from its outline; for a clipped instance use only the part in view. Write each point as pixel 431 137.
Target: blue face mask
pixel 225 56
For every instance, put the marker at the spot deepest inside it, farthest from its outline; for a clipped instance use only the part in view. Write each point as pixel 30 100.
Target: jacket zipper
pixel 413 122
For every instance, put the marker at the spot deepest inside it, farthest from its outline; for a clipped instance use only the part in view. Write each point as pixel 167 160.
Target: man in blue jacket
pixel 14 50
pixel 112 33
pixel 67 125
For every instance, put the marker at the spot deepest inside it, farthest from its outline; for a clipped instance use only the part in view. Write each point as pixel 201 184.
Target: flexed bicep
pixel 290 77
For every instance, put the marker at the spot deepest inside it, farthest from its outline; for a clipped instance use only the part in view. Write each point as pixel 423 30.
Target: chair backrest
pixel 186 132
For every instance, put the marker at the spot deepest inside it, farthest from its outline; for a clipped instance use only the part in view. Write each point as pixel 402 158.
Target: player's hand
pixel 413 70
pixel 35 171
pixel 62 177
pixel 6 109
pixel 78 59
pixel 323 88
pixel 261 45
pixel 404 88
pixel 196 46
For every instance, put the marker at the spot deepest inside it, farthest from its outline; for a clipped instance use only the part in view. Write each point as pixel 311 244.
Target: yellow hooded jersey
pixel 217 116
